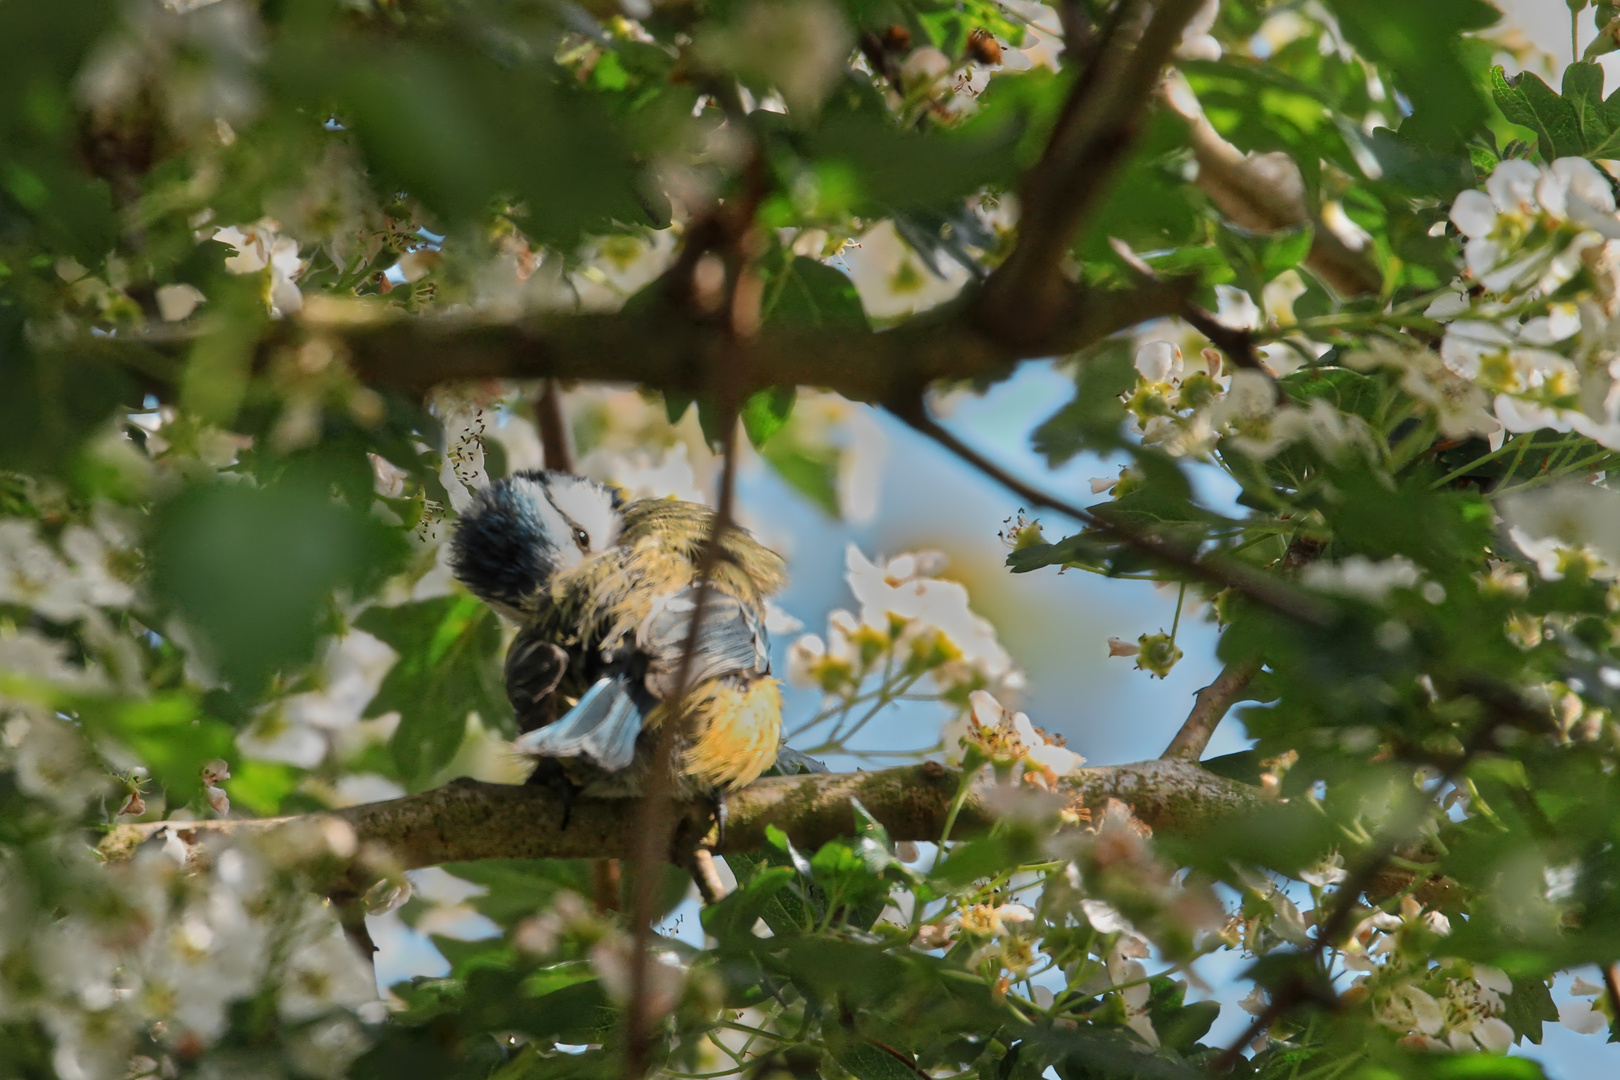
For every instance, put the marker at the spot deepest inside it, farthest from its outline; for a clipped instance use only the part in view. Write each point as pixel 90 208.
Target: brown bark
pixel 468 820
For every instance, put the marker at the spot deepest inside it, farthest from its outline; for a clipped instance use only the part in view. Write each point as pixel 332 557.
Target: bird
pixel 602 592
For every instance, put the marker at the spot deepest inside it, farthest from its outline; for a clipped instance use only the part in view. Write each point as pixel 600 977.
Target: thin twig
pixel 1094 131
pixel 1262 589
pixel 1209 706
pixel 605 884
pixel 556 441
pixel 654 814
pixel 726 378
pixel 1611 985
pixel 706 877
pixel 1236 343
pixel 1265 193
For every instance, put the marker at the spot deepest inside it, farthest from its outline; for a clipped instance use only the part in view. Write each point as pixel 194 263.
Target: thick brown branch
pixel 1209 706
pixel 468 820
pixel 662 348
pixel 1090 139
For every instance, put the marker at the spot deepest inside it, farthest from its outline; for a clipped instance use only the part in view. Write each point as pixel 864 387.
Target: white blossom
pixel 1551 522
pixel 1582 1017
pixel 1361 577
pixel 260 247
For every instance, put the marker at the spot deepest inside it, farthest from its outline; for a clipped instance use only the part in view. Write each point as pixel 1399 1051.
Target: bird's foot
pixel 548 773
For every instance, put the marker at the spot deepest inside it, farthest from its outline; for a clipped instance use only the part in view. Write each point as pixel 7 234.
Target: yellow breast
pixel 736 732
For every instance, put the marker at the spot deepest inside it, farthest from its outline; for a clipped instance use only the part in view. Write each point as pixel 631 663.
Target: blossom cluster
pixel 911 623
pixel 1451 1004
pixel 1191 409
pixel 1529 334
pixel 135 968
pixel 989 732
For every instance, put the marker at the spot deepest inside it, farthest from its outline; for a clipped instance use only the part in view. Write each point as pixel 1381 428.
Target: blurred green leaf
pixel 1093 419
pixel 50 401
pixel 169 734
pixel 460 130
pixel 448 666
pixel 1419 45
pixel 765 413
pixel 868 1061
pixel 253 570
pixel 808 292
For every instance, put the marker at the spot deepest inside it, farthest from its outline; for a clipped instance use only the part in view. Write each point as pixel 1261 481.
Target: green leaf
pixel 766 412
pixel 732 918
pixel 1179 1025
pixel 1529 1007
pixel 1527 101
pixel 810 293
pixel 675 405
pixel 253 569
pixel 1148 506
pixel 895 169
pixel 977 859
pixel 1583 89
pixel 1481 1067
pixel 1284 250
pixel 516 888
pixel 866 1061
pixel 1086 549
pixel 461 130
pixel 1243 766
pixel 558 977
pixel 261 786
pixel 1092 420
pixel 811 471
pixel 1420 44
pixel 170 734
pixel 870 828
pixel 1346 390
pixel 448 666
pixel 50 401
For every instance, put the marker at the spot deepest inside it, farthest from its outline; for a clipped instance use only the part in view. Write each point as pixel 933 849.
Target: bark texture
pixel 469 820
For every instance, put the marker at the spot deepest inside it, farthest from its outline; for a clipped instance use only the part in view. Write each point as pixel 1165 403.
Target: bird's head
pixel 523 531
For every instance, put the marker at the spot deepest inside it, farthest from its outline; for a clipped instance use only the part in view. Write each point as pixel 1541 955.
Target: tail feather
pixel 603 728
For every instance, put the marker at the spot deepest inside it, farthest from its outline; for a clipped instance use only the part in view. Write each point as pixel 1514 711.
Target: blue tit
pixel 602 593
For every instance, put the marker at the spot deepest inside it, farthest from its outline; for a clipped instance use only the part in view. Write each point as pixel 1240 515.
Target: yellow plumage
pixel 737 733
pixel 733 727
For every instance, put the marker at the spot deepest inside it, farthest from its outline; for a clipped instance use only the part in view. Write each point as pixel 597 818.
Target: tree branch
pixel 1224 573
pixel 551 424
pixel 1091 137
pixel 1209 706
pixel 469 820
pixel 662 348
pixel 1265 193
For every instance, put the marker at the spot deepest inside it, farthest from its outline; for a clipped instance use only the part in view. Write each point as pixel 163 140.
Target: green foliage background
pixel 1456 730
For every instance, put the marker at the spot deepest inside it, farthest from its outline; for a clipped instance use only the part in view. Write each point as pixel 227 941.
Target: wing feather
pixel 731 640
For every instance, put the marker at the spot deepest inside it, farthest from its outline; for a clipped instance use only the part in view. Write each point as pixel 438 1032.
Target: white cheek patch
pixel 589 506
pixel 561 551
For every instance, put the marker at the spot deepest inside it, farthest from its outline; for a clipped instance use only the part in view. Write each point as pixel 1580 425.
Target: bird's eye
pixel 582 538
